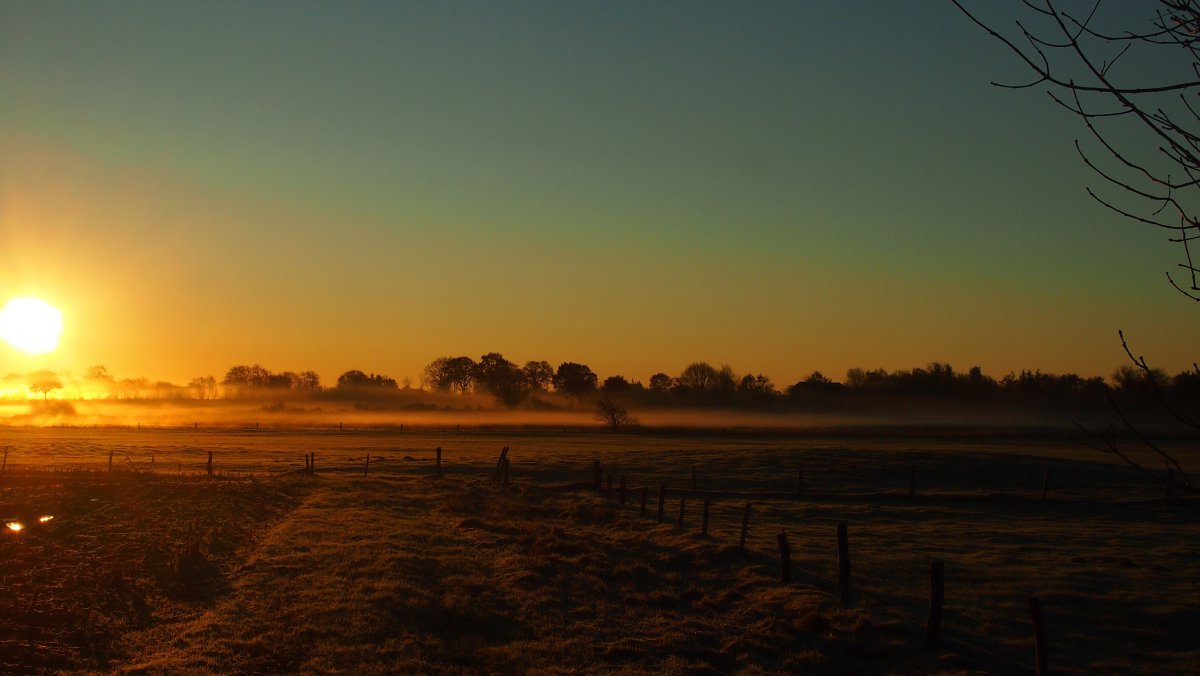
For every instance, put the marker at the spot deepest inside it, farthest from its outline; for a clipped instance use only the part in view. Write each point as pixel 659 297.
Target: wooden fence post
pixel 210 469
pixel 1039 636
pixel 704 521
pixel 662 500
pixel 645 494
pixel 504 470
pixel 745 527
pixel 843 547
pixel 682 502
pixel 622 489
pixel 439 460
pixel 1045 484
pixel 500 464
pixel 785 558
pixel 937 597
pixel 367 466
pixel 110 456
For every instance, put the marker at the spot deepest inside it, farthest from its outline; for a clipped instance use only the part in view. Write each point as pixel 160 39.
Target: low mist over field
pixel 249 413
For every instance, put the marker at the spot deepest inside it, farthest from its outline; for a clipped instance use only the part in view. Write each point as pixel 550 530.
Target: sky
pixel 779 186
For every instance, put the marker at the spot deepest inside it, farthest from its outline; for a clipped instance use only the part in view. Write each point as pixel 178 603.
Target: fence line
pixel 801 494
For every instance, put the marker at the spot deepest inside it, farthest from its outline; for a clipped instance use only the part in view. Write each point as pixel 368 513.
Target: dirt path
pixel 414 574
pixel 318 592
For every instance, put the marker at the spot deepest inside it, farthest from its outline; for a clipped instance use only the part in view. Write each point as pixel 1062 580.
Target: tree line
pixel 538 384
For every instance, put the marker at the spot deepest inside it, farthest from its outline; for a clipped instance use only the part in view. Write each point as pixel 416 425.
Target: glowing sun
pixel 31 325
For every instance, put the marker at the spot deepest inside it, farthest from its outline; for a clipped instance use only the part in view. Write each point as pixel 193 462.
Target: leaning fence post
pixel 745 527
pixel 500 464
pixel 843 547
pixel 210 469
pixel 367 466
pixel 439 460
pixel 704 521
pixel 937 597
pixel 785 558
pixel 504 470
pixel 662 500
pixel 645 494
pixel 1039 636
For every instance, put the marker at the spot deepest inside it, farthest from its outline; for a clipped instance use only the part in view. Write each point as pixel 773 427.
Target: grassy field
pixel 158 568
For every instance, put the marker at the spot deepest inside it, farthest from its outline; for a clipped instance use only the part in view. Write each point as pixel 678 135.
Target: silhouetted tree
pixel 357 380
pixel 661 382
pixel 976 384
pixel 242 379
pixel 1131 380
pixel 1094 62
pixel 308 381
pixel 450 374
pixel 615 385
pixel 492 367
pixel 1186 385
pixel 502 379
pixel 434 376
pixel 575 380
pixel 99 378
pixel 701 383
pixel 43 382
pixel 611 413
pixel 757 390
pixel 203 387
pixel 698 377
pixel 1127 81
pixel 817 378
pixel 539 375
pixel 285 380
pixel 856 378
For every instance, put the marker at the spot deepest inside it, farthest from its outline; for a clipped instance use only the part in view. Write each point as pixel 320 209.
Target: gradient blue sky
pixel 783 187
